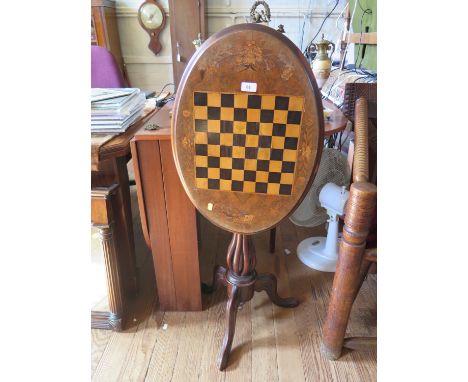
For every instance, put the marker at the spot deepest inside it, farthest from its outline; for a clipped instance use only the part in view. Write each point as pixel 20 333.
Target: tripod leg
pixel 219 278
pixel 231 312
pixel 268 284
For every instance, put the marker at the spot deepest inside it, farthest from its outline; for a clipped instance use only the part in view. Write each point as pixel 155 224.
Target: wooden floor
pixel 270 343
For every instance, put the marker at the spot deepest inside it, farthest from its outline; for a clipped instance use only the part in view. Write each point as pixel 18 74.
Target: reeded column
pixel 112 274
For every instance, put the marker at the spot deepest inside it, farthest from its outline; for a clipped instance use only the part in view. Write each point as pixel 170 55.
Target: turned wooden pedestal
pixel 242 281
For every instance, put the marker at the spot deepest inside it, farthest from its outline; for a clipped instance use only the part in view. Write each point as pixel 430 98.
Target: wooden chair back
pixel 353 260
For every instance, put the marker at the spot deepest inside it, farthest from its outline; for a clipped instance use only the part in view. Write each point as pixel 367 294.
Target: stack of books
pixel 114 110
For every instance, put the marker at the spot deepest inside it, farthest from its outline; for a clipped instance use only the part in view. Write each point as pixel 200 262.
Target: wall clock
pixel 152 19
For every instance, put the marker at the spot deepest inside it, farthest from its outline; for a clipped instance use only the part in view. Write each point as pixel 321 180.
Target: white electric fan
pixel 325 200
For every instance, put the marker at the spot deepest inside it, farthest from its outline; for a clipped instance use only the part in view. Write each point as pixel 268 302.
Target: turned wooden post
pixel 359 211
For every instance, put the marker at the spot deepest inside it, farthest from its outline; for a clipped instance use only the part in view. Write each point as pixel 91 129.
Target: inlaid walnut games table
pixel 247 135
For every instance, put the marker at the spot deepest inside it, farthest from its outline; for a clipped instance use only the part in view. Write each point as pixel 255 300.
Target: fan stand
pixel 321 253
pixel 242 281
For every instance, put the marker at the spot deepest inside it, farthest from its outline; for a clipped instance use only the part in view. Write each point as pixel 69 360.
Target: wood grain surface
pixel 188 19
pixel 258 54
pixel 168 218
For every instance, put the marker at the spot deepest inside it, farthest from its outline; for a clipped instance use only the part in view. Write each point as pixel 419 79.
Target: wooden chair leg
pixel 361 204
pixel 363 271
pixel 345 284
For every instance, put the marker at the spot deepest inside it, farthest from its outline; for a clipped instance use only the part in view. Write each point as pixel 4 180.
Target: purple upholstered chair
pixel 105 72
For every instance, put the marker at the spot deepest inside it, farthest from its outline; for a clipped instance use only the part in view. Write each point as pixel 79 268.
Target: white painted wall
pixel 149 71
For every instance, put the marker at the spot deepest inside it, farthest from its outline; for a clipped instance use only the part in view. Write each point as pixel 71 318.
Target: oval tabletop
pixel 247 128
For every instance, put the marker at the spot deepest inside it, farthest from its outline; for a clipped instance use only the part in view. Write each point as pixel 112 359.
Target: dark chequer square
pixel 279 129
pixel 253 128
pixel 294 117
pixel 214 113
pixel 225 151
pixel 213 162
pixel 201 149
pixel 238 140
pixel 261 187
pixel 288 167
pixel 213 138
pixel 274 177
pixel 201 125
pixel 264 141
pixel 237 185
pixel 250 175
pixel 202 172
pixel 225 174
pixel 225 131
pixel 263 165
pixel 238 163
pixel 281 103
pixel 285 189
pixel 254 101
pixel 240 114
pixel 200 99
pixel 226 126
pixel 227 100
pixel 213 184
pixel 251 152
pixel 290 143
pixel 276 154
pixel 266 116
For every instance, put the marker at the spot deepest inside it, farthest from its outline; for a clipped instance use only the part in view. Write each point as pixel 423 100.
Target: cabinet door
pixel 187 19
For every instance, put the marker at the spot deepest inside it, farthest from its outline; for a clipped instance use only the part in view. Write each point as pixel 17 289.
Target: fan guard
pixel 333 168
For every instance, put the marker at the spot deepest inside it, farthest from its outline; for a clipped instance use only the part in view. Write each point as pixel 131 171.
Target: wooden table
pixel 168 218
pixel 111 214
pixel 337 121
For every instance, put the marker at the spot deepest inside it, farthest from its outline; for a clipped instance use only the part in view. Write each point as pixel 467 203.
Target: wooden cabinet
pixel 187 19
pixel 104 31
pixel 168 217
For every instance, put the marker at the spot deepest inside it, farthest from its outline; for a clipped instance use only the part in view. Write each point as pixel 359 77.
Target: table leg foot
pixel 269 284
pixel 231 313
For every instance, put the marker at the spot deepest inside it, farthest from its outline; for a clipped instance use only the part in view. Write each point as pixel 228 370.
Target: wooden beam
pixel 361 38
